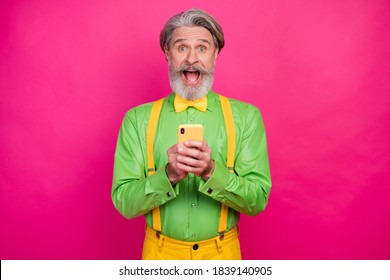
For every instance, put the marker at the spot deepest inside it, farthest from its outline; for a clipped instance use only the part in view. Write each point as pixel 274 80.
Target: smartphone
pixel 190 132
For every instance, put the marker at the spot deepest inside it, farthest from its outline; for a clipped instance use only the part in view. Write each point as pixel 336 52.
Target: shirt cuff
pixel 161 186
pixel 217 182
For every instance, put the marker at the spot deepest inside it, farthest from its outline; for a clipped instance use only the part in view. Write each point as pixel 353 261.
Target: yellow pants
pixel 165 248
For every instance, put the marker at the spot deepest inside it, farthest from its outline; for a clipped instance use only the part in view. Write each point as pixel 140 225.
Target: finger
pixel 199 165
pixel 193 143
pixel 174 149
pixel 190 152
pixel 189 161
pixel 190 169
pixel 172 156
pixel 201 145
pixel 195 153
pixel 173 165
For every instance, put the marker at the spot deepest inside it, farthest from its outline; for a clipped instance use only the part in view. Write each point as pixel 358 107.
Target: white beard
pixel 190 92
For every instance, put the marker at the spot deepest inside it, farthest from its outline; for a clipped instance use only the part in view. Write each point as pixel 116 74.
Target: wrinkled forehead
pixel 191 34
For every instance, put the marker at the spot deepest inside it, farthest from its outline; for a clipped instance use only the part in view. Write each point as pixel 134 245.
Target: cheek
pixel 209 63
pixel 176 61
pixel 177 56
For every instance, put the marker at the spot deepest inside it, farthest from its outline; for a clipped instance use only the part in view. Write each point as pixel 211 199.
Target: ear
pixel 166 53
pixel 215 56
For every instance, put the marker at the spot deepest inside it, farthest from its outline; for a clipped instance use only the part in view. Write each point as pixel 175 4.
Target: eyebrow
pixel 182 40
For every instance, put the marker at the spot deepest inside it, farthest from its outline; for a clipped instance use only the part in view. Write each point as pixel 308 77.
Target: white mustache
pixel 187 67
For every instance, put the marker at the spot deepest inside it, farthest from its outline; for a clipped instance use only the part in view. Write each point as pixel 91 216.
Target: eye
pixel 182 48
pixel 202 48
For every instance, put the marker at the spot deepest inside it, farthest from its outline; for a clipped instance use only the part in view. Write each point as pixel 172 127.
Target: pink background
pixel 318 70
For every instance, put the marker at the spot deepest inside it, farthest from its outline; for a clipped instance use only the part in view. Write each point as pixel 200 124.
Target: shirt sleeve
pixel 247 189
pixel 134 193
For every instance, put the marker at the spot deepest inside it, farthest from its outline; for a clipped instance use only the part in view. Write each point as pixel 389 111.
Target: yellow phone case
pixel 190 132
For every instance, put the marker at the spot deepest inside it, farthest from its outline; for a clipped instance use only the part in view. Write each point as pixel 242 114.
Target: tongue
pixel 192 77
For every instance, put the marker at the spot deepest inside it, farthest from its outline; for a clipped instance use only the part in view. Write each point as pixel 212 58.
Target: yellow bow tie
pixel 180 104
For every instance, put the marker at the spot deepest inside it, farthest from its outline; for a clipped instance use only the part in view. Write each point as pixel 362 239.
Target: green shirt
pixel 189 211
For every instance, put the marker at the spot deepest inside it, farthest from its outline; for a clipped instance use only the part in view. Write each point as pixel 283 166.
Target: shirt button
pixel 191 175
pixel 193 204
pixel 195 247
pixel 209 190
pixel 169 194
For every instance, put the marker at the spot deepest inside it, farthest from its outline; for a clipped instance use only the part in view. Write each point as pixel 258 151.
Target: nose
pixel 192 57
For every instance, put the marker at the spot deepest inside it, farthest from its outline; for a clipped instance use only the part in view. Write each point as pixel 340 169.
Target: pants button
pixel 195 247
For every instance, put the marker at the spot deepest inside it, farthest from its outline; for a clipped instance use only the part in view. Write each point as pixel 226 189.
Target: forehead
pixel 191 33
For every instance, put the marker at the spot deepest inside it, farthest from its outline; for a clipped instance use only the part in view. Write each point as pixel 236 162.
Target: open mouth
pixel 191 76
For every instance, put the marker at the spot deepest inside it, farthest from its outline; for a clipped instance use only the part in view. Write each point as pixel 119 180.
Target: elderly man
pixel 191 192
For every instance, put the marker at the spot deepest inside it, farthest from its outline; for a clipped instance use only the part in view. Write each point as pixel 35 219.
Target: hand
pixel 174 173
pixel 195 157
pixel 190 156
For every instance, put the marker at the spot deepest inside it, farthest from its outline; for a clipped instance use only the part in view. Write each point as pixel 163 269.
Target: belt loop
pixel 218 242
pixel 160 243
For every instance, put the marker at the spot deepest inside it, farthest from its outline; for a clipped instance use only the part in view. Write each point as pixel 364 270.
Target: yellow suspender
pixel 154 114
pixel 231 141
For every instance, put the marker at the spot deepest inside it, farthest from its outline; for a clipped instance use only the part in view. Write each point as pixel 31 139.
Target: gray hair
pixel 190 18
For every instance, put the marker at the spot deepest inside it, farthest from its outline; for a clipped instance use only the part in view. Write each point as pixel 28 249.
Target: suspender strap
pixel 231 135
pixel 154 115
pixel 231 142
